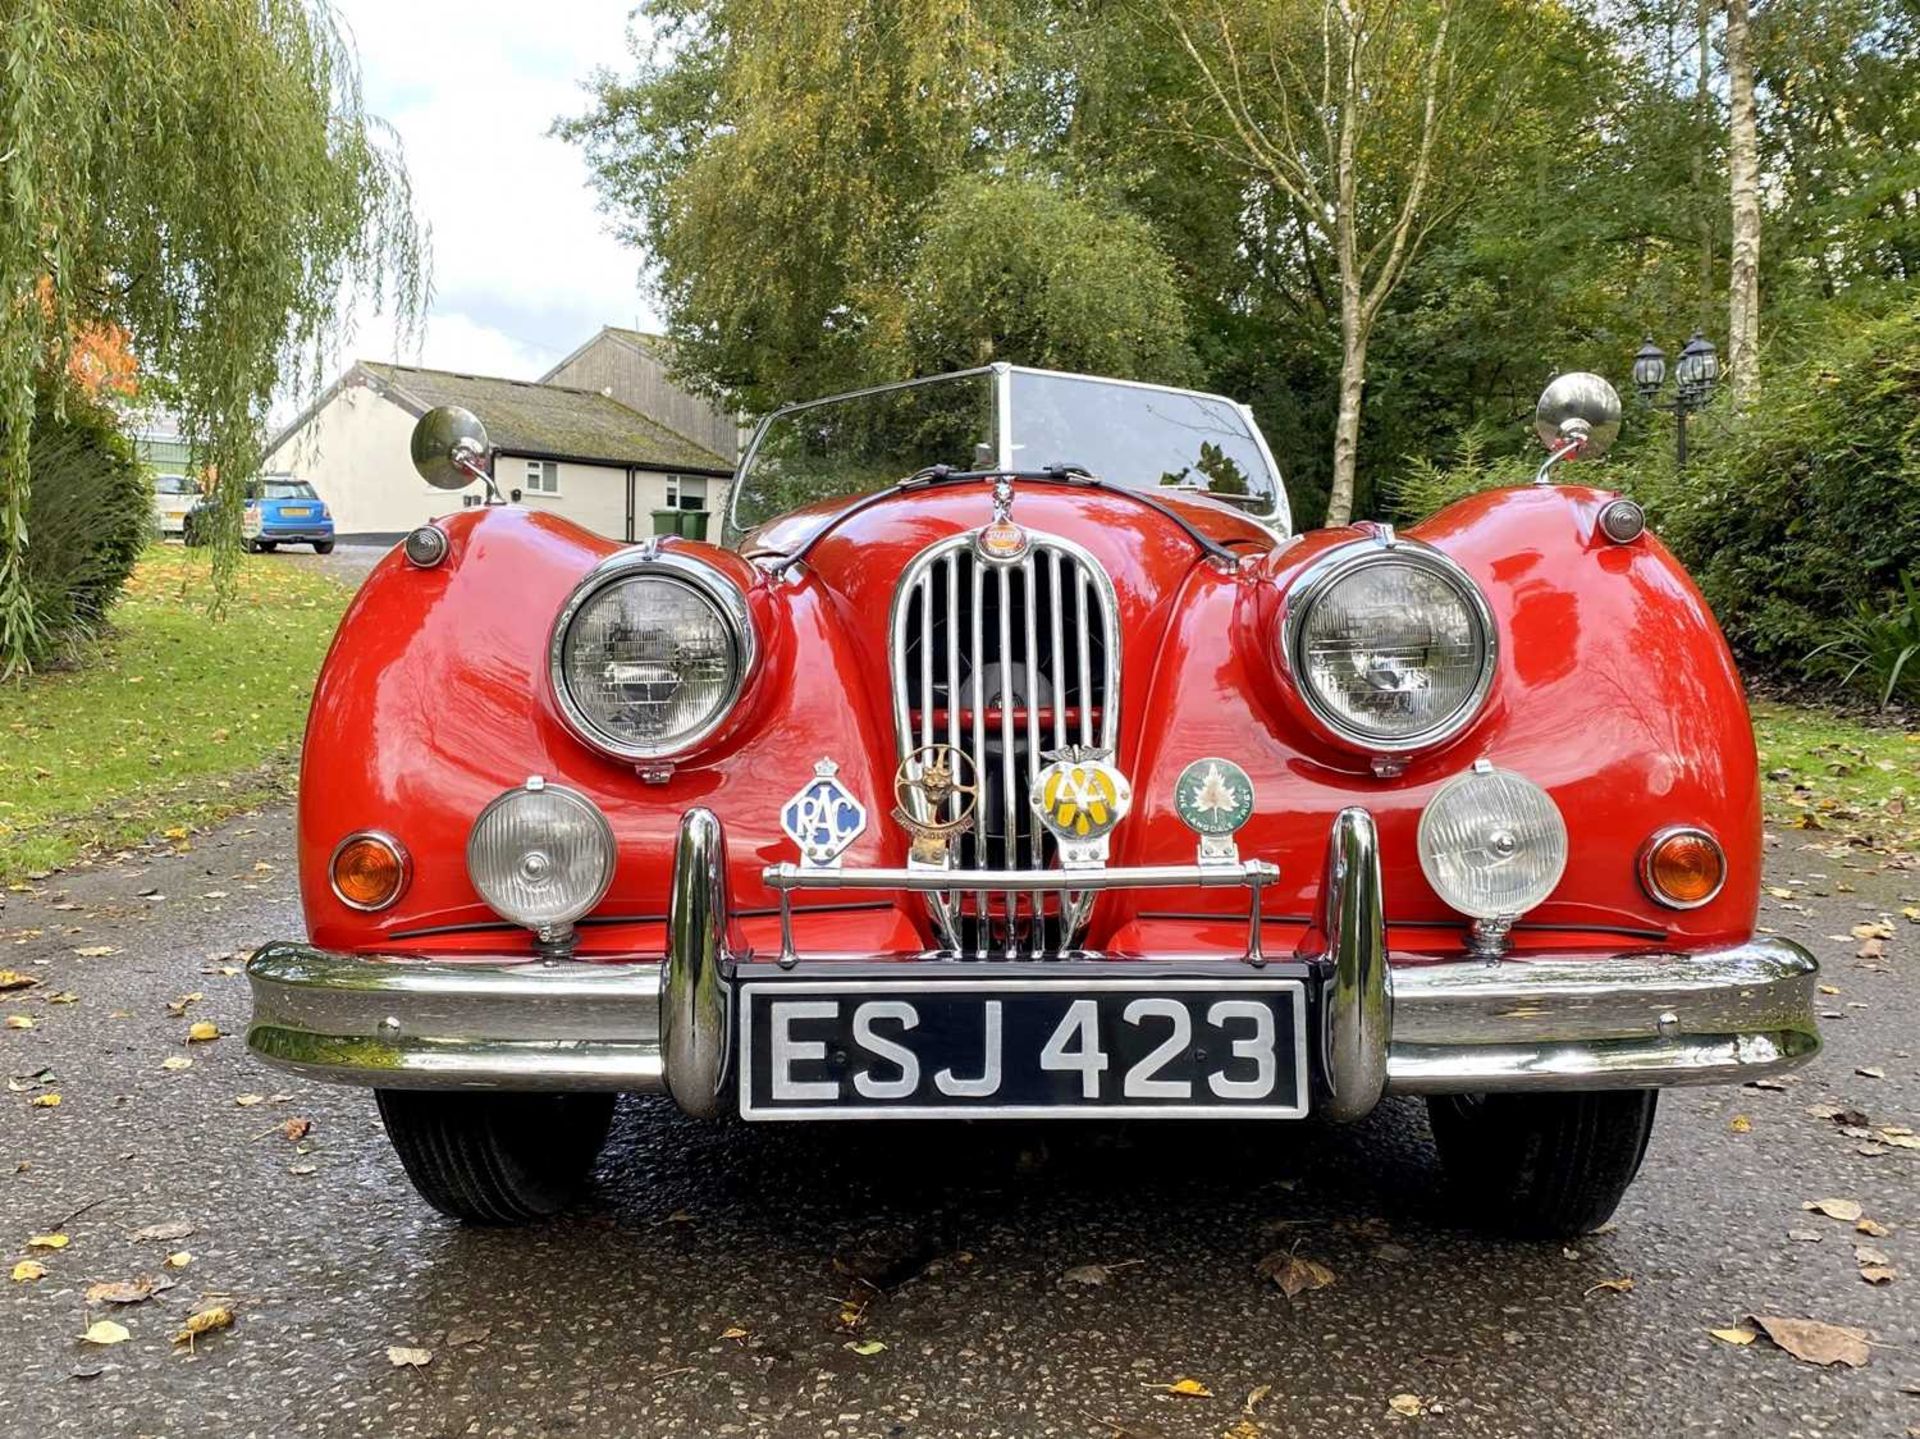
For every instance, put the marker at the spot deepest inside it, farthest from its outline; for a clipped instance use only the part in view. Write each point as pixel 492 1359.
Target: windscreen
pixel 1139 436
pixel 860 443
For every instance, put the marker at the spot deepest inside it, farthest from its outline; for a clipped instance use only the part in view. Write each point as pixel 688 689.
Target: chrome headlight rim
pixel 1313 584
pixel 729 602
pixel 537 784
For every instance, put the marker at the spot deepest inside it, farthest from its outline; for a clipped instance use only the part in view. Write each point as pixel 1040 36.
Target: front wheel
pixel 496 1158
pixel 1541 1166
pixel 323 547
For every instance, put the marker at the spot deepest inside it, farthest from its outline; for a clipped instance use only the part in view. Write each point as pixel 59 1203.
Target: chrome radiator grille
pixel 1007 661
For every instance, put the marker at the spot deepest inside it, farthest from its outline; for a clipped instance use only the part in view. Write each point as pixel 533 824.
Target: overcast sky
pixel 524 268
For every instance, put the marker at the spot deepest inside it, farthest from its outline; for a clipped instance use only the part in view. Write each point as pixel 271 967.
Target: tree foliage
pixel 792 169
pixel 201 175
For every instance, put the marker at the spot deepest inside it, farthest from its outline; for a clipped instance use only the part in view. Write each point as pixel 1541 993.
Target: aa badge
pixel 1080 797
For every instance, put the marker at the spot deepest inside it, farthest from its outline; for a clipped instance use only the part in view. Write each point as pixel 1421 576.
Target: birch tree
pixel 1743 177
pixel 1374 119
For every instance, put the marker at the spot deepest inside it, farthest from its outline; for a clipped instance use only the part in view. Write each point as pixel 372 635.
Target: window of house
pixel 686 492
pixel 543 478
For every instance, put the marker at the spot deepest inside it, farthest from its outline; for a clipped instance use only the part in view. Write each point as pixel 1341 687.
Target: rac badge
pixel 1214 797
pixel 935 794
pixel 1080 797
pixel 824 818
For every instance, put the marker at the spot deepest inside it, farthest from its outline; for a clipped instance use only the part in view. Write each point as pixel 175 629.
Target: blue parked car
pixel 280 511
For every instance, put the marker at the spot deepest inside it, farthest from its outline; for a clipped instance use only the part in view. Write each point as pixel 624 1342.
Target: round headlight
pixel 1392 646
pixel 541 855
pixel 1492 843
pixel 650 653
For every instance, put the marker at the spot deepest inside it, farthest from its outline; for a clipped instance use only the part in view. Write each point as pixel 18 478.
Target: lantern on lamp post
pixel 1694 375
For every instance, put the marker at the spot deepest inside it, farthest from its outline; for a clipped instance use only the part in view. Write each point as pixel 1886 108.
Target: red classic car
pixel 1012 757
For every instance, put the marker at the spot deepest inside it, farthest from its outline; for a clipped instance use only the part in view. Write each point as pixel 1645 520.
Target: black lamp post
pixel 1693 379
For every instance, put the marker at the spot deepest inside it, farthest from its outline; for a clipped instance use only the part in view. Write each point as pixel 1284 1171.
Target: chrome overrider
pixel 1554 1022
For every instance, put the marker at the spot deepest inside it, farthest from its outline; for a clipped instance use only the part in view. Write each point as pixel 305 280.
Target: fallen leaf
pixel 732 1331
pixel 63 996
pixel 176 1062
pixel 1739 1335
pixel 401 1357
pixel 1188 1388
pixel 1740 1124
pixel 179 1259
pixel 1092 1275
pixel 247 1101
pixel 462 1334
pixel 1623 1285
pixel 1813 1342
pixel 1847 1209
pixel 105 1331
pixel 1806 1236
pixel 1255 1395
pixel 48 1241
pixel 203 1321
pixel 19 1021
pixel 28 1269
pixel 1871 1071
pixel 1901 1141
pixel 167 1229
pixel 202 1030
pixel 866 1348
pixel 296 1127
pixel 1878 1273
pixel 1408 1406
pixel 14 979
pixel 122 1291
pixel 96 951
pixel 1874 1228
pixel 177 1008
pixel 45 1101
pixel 1292 1274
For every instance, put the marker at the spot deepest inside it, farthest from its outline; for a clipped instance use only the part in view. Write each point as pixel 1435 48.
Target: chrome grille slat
pixel 992 646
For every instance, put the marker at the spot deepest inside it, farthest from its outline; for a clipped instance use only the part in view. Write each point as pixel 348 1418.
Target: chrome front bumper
pixel 1560 1022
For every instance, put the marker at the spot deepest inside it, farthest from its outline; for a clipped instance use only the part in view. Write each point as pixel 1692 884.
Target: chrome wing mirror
pixel 450 450
pixel 1578 418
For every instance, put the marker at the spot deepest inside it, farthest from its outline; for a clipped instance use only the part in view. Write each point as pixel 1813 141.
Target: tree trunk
pixel 1743 173
pixel 1346 429
pixel 1702 119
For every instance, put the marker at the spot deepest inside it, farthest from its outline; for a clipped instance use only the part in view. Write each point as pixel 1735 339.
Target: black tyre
pixel 323 547
pixel 265 547
pixel 1541 1166
pixel 496 1158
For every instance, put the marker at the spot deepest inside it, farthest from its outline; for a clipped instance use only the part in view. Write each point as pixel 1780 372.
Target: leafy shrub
pixel 89 513
pixel 1426 485
pixel 1804 514
pixel 1879 651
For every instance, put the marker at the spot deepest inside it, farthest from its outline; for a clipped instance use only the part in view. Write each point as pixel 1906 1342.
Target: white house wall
pixel 354 451
pixel 594 496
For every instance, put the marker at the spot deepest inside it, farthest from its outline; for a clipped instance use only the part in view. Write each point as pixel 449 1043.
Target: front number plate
pixel 1028 1049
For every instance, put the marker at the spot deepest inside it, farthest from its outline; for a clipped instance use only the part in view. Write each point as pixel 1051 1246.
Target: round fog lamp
pixel 541 856
pixel 367 870
pixel 1492 843
pixel 1683 868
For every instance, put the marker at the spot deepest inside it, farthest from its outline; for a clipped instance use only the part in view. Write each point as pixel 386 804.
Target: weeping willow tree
pixel 201 174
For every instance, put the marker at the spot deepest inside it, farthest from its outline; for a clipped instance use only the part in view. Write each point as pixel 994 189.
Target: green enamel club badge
pixel 1214 798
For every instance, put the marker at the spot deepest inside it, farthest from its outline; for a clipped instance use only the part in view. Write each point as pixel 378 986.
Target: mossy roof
pixel 524 417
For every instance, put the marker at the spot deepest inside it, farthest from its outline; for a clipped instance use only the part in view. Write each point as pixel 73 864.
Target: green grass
pixel 172 721
pixel 1828 772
